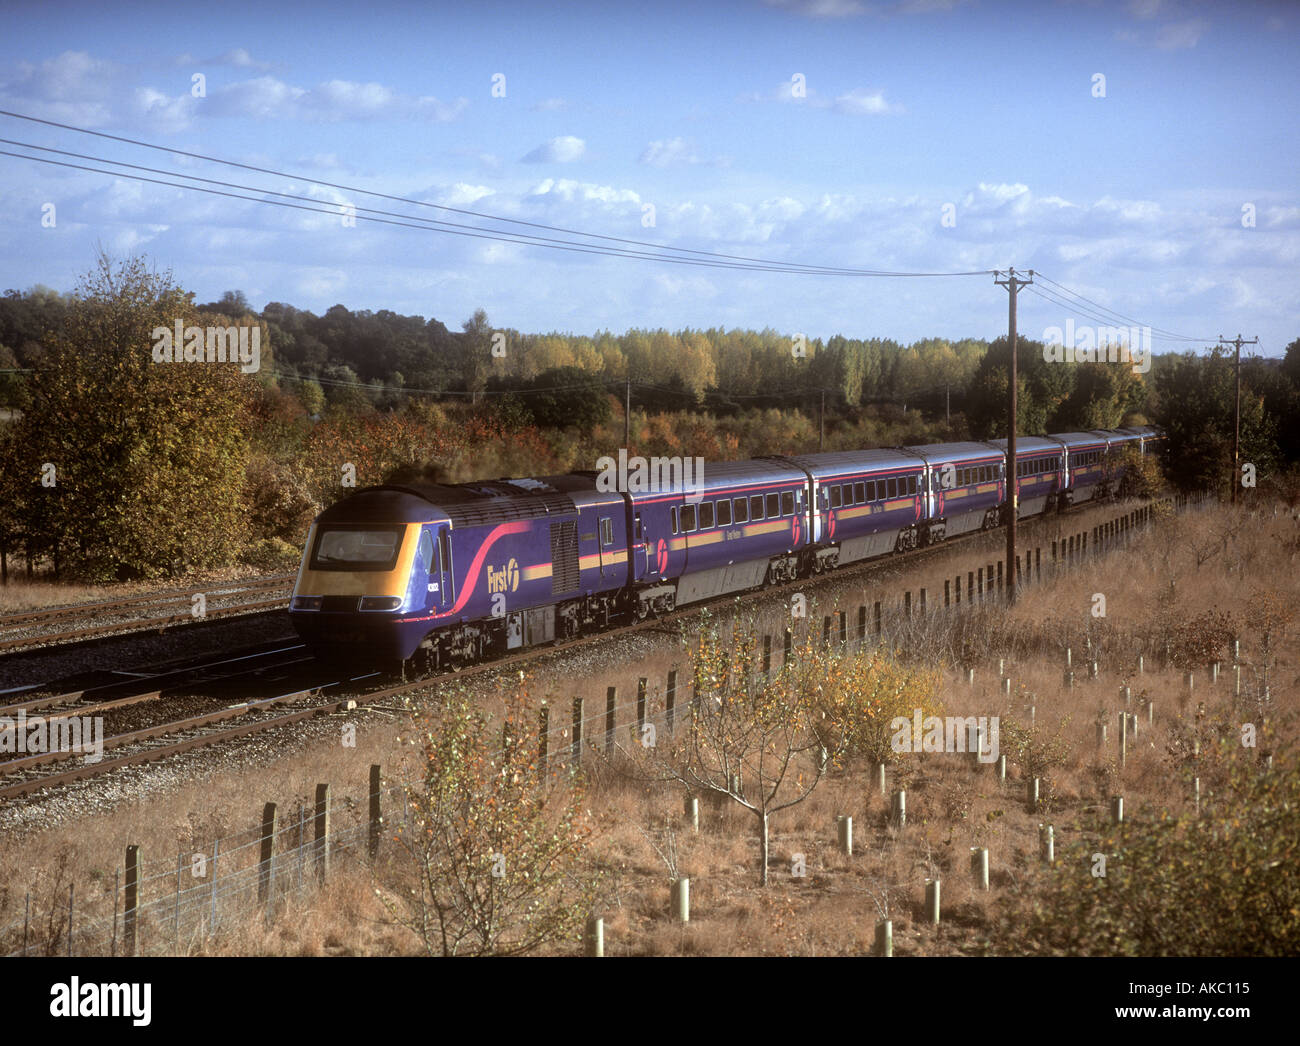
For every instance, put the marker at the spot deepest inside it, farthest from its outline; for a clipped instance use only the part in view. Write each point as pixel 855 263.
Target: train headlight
pixel 381 602
pixel 306 603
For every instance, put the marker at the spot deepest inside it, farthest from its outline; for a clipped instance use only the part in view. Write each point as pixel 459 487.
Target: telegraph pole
pixel 627 416
pixel 1012 283
pixel 821 424
pixel 1237 343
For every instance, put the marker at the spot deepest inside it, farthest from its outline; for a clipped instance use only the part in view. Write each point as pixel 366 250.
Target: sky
pixel 1142 154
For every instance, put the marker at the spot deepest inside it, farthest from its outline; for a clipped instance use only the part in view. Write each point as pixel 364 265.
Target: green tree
pixel 134 468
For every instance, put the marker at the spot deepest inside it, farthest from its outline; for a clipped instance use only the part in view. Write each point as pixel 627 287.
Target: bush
pixel 271 554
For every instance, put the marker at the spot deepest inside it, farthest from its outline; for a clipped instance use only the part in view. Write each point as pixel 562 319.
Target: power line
pixel 1102 319
pixel 500 237
pixel 784 266
pixel 1168 334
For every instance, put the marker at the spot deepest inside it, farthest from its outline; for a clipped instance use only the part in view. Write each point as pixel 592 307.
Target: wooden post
pixel 876 614
pixel 826 631
pixel 787 645
pixel 575 750
pixel 131 901
pixel 611 714
pixel 640 707
pixel 862 621
pixel 979 866
pixel 932 901
pixel 322 832
pixel 956 590
pixel 947 593
pixel 544 735
pixel 844 627
pixel 266 859
pixel 670 694
pixel 979 583
pixel 376 810
pixel 1038 564
pixel 594 938
pixel 970 586
pixel 907 604
pixel 923 602
pixel 845 826
pixel 681 900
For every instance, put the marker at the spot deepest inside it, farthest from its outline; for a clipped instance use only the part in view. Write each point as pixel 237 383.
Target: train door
pixel 817 512
pixel 433 559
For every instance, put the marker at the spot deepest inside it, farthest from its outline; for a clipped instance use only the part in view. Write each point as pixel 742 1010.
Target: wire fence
pixel 178 905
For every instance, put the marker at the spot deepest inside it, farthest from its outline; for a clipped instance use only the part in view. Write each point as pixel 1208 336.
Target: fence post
pixel 611 713
pixel 877 618
pixel 670 700
pixel 923 602
pixel 862 622
pixel 640 707
pixel 947 593
pixel 376 811
pixel 131 900
pixel 543 735
pixel 322 831
pixel 266 857
pixel 575 752
pixel 767 654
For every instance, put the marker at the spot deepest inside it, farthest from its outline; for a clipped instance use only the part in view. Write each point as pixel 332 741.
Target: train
pixel 419 577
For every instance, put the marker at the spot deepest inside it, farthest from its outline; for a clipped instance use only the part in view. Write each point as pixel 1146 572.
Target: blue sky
pixel 986 112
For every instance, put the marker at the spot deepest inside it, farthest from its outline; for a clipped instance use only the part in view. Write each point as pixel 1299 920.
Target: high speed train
pixel 423 576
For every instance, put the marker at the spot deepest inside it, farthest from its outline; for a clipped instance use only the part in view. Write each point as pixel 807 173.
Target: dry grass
pixel 953 804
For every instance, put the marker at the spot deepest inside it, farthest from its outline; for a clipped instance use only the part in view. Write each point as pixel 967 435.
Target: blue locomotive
pixel 431 575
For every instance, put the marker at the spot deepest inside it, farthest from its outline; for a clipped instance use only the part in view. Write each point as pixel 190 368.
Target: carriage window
pixel 724 513
pixel 773 507
pixel 891 488
pixel 742 510
pixel 756 507
pixel 860 493
pixel 835 497
pixel 787 503
pixel 357 548
pixel 848 493
pixel 706 515
pixel 688 518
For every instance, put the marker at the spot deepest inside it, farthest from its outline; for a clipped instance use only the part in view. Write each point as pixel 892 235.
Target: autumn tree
pixel 753 740
pixel 495 846
pixel 134 468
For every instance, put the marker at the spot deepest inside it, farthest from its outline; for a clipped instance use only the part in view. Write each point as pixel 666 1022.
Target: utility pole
pixel 947 404
pixel 627 416
pixel 1012 283
pixel 1237 343
pixel 821 424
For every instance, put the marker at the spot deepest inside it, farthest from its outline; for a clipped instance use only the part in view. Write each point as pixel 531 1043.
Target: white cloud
pixel 565 149
pixel 266 97
pixel 462 195
pixel 820 8
pixel 1144 9
pixel 666 152
pixel 859 102
pixel 549 105
pixel 1179 35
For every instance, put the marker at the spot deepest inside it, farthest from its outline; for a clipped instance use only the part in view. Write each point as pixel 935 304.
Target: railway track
pixel 34 773
pixel 31 629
